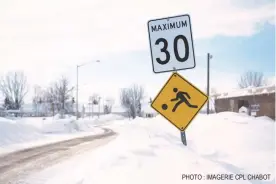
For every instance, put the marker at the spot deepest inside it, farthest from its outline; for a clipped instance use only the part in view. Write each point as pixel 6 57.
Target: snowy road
pixel 16 166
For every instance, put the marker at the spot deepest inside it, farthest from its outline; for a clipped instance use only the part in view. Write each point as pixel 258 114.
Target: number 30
pixel 175 48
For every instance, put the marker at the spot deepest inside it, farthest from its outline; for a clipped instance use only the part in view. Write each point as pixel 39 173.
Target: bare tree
pixel 7 104
pixel 251 78
pixel 58 97
pixel 125 99
pixel 14 87
pixel 131 99
pixel 62 93
pixel 44 103
pixel 49 99
pixel 109 102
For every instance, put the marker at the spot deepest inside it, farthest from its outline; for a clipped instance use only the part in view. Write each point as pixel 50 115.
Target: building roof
pixel 250 91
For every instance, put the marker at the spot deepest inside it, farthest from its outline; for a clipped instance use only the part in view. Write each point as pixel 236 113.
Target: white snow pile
pixel 68 124
pixel 82 124
pixel 13 132
pixel 243 110
pixel 57 125
pixel 3 120
pixel 34 131
pixel 102 118
pixel 150 151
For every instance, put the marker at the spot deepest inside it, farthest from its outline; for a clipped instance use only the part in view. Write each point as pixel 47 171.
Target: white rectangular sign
pixel 171 44
pixel 255 107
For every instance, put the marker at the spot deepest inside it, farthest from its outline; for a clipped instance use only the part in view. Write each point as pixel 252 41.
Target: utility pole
pixel 99 103
pixel 77 87
pixel 209 56
pixel 77 93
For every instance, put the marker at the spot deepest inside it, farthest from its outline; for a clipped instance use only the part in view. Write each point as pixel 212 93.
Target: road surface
pixel 16 166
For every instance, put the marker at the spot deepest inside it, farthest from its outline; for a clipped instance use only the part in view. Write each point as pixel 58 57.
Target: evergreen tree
pixel 7 103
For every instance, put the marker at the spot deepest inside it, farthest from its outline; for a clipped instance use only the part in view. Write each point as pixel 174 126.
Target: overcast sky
pixel 47 39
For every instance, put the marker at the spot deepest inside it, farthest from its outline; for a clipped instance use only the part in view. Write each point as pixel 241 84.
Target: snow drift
pixel 27 132
pixel 150 151
pixel 13 132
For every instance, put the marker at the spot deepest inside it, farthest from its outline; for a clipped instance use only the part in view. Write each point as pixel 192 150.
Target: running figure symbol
pixel 181 96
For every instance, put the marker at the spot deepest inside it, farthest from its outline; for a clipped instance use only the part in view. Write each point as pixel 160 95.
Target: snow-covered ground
pixel 28 132
pixel 150 151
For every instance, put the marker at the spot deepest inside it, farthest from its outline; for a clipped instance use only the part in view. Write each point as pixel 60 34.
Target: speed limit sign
pixel 171 44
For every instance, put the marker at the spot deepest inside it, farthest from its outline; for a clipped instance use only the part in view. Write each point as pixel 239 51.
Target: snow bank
pixel 243 110
pixel 237 139
pixel 12 132
pixel 107 118
pixel 60 126
pixel 58 116
pixel 150 151
pixel 69 124
pixel 5 120
pixel 33 131
pixel 36 122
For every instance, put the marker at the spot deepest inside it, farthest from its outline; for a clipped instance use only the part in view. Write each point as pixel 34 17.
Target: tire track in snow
pixel 18 165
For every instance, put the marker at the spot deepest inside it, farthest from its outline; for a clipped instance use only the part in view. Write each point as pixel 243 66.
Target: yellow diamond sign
pixel 179 101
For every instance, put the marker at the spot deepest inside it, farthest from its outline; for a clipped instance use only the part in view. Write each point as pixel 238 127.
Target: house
pixel 258 101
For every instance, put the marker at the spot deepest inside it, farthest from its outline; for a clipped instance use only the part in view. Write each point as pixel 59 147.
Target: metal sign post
pixel 182 132
pixel 183 137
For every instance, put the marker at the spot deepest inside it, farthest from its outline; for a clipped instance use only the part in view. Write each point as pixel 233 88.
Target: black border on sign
pixel 178 75
pixel 191 39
